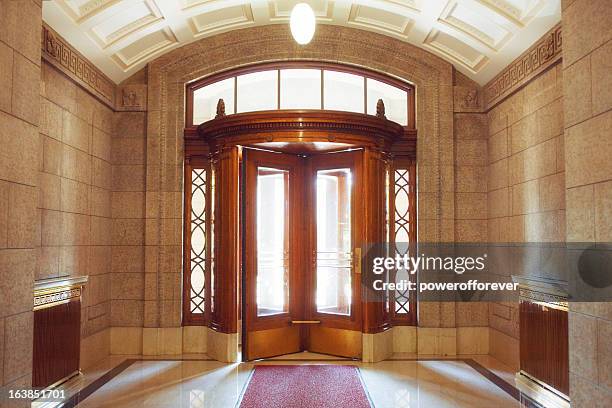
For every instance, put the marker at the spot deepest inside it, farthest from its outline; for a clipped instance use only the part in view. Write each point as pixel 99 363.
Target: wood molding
pixel 56 298
pixel 59 53
pixel 300 125
pixel 56 291
pixel 539 57
pixel 550 299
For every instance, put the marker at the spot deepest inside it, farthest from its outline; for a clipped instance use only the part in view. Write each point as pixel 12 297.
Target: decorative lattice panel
pixel 198 241
pixel 401 217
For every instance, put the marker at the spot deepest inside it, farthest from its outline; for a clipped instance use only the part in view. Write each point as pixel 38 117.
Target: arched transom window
pixel 300 85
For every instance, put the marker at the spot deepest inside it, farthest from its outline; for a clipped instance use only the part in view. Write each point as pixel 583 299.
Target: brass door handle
pixel 357 260
pixel 305 321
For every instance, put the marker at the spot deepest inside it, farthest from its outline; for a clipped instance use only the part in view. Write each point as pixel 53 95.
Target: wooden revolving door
pixel 301 255
pixel 293 200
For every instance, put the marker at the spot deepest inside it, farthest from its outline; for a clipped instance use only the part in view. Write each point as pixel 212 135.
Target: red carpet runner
pixel 307 386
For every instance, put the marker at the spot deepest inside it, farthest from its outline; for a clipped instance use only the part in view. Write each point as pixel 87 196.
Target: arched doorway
pixel 283 202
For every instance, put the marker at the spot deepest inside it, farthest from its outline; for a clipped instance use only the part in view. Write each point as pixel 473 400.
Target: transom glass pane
pixel 272 241
pixel 334 251
pixel 395 100
pixel 205 100
pixel 257 91
pixel 300 89
pixel 343 92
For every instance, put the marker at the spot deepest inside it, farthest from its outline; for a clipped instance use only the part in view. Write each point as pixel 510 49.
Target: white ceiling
pixel 479 37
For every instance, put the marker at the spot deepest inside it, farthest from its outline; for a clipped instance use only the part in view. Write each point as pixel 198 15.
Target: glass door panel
pixel 333 241
pixel 272 241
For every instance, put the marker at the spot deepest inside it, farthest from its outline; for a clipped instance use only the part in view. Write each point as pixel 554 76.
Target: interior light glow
pixel 302 23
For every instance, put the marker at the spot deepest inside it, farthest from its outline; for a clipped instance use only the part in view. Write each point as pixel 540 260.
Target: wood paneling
pixel 375 314
pixel 337 342
pixel 224 302
pixel 57 336
pixel 544 351
pixel 273 342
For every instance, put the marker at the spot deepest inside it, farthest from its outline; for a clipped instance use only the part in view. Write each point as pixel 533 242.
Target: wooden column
pixel 224 313
pixel 375 314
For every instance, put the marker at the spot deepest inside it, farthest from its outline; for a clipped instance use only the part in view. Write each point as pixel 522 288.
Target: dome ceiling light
pixel 302 23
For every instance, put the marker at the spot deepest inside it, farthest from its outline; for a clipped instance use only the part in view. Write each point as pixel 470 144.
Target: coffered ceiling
pixel 479 37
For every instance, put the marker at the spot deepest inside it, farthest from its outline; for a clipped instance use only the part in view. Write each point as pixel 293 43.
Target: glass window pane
pixel 272 241
pixel 402 227
pixel 342 91
pixel 334 251
pixel 198 241
pixel 205 100
pixel 395 100
pixel 300 89
pixel 257 91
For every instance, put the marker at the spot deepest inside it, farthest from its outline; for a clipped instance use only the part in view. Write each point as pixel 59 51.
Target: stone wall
pixel 128 204
pixel 19 157
pixel 470 204
pixel 525 189
pixel 75 199
pixel 587 86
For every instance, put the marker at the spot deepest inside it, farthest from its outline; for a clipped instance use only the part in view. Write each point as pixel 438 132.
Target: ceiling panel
pixel 280 10
pixel 81 10
pixel 480 37
pixel 145 47
pixel 377 19
pixel 455 50
pixel 124 22
pixel 477 21
pixel 222 19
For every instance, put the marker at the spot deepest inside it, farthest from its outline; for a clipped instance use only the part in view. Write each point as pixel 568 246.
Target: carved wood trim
pixel 56 298
pixel 55 291
pixel 539 57
pixel 305 125
pixel 542 297
pixel 59 53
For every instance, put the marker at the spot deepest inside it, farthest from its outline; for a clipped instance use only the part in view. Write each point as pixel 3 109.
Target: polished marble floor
pixel 197 382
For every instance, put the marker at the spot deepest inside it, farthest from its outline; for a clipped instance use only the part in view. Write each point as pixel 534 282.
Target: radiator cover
pixel 57 330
